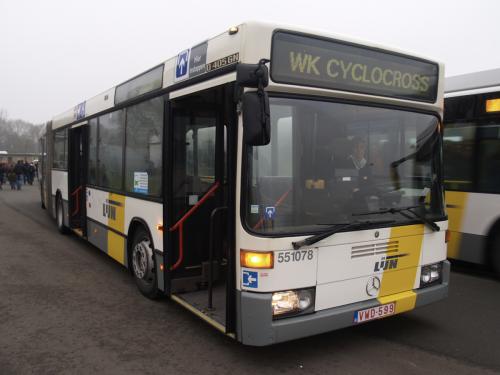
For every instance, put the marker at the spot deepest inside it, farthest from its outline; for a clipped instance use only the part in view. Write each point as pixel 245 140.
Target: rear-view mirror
pixel 250 75
pixel 256 118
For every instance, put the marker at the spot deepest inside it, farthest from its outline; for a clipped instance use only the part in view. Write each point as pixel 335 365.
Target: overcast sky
pixel 57 53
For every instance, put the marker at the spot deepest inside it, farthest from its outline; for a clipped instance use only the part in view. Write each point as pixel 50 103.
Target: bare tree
pixel 18 135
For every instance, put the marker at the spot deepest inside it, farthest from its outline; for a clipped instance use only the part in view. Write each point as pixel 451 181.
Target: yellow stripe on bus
pixel 116 243
pixel 409 240
pixel 455 207
pixel 405 301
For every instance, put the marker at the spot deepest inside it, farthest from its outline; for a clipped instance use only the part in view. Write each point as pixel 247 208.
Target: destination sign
pixel 310 61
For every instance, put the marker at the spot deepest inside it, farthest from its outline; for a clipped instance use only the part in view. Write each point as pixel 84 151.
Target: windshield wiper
pixel 400 210
pixel 338 228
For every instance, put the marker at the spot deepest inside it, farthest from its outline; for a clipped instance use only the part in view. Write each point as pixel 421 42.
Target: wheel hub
pixel 142 260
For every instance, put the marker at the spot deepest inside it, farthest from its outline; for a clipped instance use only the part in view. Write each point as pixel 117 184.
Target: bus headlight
pixel 292 302
pixel 430 275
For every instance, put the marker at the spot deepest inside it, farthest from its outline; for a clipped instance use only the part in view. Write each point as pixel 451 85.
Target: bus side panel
pixel 471 216
pixel 149 212
pixel 109 216
pixel 106 225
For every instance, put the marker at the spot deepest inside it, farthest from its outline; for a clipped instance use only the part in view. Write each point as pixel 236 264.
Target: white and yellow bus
pixel 276 182
pixel 472 166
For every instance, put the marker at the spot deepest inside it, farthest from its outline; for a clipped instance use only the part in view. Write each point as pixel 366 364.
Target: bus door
pixel 77 173
pixel 197 215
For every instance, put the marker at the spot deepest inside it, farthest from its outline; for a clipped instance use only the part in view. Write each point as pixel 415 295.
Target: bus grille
pixel 374 249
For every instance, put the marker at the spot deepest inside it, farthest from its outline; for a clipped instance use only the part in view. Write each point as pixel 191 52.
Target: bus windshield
pixel 328 162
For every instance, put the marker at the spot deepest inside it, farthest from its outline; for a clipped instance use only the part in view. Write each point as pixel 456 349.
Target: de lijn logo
pixel 109 208
pixel 388 263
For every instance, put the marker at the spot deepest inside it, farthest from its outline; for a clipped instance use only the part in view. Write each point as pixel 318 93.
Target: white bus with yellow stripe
pixel 276 182
pixel 472 167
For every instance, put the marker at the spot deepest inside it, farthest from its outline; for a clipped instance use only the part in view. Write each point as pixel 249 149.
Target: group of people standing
pixel 17 174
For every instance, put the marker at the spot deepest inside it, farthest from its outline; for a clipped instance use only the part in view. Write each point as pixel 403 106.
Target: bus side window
pixel 458 148
pixel 60 149
pixel 489 159
pixel 200 156
pixel 143 150
pixel 92 170
pixel 194 156
pixel 110 149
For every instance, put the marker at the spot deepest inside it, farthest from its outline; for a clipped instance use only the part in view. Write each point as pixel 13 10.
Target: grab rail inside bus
pixel 180 223
pixel 77 205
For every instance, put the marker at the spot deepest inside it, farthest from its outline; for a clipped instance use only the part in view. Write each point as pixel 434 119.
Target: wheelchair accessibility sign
pixel 250 279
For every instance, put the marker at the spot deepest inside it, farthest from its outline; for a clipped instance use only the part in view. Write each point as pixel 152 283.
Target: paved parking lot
pixel 67 308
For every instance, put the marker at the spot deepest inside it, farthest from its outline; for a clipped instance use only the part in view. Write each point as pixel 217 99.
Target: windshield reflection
pixel 327 161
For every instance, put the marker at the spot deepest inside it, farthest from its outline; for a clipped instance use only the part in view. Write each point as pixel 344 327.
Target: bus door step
pixel 78 231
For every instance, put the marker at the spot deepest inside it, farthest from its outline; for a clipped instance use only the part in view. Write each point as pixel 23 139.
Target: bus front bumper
pixel 258 329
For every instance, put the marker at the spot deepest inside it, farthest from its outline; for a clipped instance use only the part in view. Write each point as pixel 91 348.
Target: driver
pixel 357 156
pixel 363 187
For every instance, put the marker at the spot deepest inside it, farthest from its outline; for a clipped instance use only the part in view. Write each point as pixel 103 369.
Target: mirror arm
pixel 261 93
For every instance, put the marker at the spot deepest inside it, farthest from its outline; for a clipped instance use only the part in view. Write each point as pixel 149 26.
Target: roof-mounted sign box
pixel 313 61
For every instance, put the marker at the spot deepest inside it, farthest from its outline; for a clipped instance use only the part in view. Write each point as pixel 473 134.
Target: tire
pixel 41 198
pixel 60 216
pixel 143 264
pixel 495 254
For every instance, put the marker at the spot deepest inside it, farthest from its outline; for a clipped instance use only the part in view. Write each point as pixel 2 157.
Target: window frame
pixel 477 117
pixel 162 146
pixel 98 175
pixel 157 199
pixel 65 149
pixel 475 156
pixel 245 160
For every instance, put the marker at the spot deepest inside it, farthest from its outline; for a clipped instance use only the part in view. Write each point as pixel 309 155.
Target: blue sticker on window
pixel 250 279
pixel 270 212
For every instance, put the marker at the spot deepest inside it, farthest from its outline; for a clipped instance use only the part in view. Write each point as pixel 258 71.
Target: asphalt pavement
pixel 66 308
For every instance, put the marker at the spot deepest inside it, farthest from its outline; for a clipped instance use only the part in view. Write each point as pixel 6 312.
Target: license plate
pixel 372 313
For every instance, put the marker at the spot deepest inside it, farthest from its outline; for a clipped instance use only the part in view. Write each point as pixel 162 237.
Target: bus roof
pixel 245 43
pixel 482 80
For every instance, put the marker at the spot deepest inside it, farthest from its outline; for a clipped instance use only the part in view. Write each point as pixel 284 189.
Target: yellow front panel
pixel 398 285
pixel 405 301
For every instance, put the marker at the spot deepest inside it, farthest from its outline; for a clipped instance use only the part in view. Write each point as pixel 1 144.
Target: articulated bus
pixel 274 181
pixel 472 167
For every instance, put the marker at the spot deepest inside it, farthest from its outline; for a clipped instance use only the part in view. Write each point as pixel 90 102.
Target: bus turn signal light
pixel 447 236
pixel 493 105
pixel 255 259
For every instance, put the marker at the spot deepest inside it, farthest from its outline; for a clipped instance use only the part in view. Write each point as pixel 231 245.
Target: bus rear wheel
pixel 143 264
pixel 60 216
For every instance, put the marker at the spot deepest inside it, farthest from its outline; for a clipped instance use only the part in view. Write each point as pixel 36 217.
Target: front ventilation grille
pixel 374 249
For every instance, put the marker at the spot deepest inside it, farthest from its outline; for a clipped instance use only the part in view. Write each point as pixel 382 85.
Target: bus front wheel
pixel 143 265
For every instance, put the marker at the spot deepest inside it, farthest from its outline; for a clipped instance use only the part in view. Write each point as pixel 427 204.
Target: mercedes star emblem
pixel 373 286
